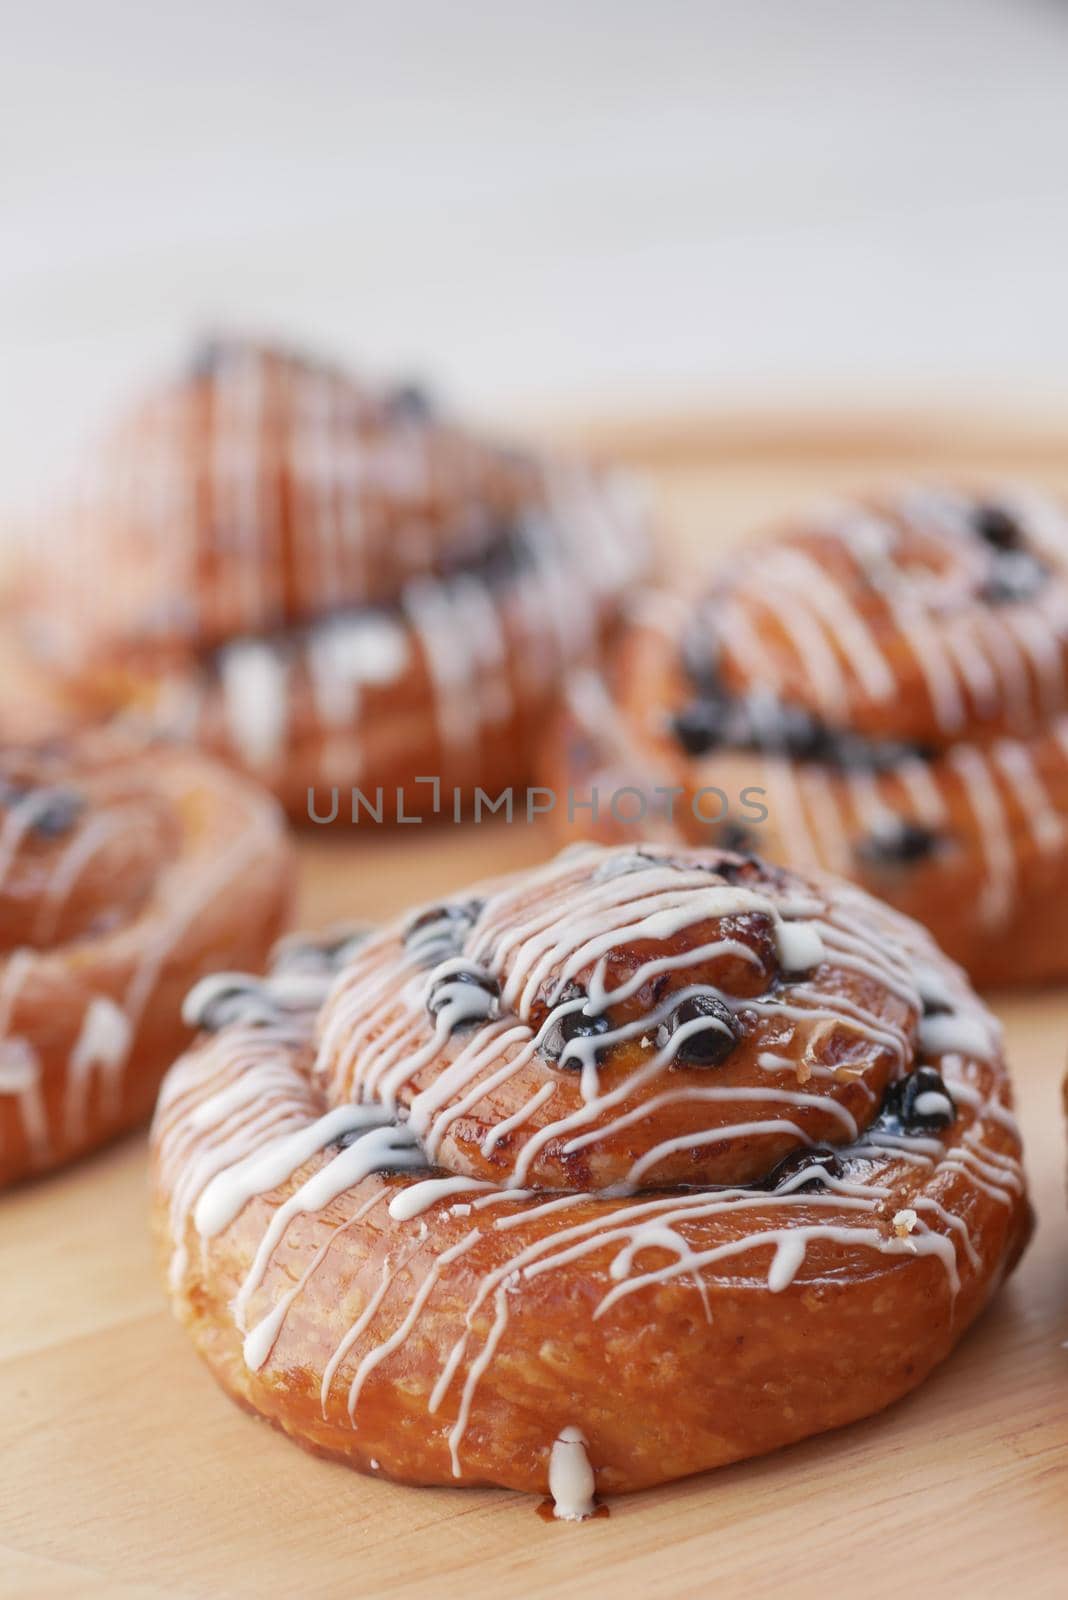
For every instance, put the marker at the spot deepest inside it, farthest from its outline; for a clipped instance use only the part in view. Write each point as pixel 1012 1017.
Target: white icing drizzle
pixel 106 1026
pixel 20 1066
pixel 86 844
pixel 230 1190
pixel 102 1046
pixel 348 652
pixel 256 698
pixel 1042 818
pixel 802 576
pixel 20 1078
pixel 242 1118
pixel 994 836
pixel 419 1197
pixel 913 576
pixel 323 540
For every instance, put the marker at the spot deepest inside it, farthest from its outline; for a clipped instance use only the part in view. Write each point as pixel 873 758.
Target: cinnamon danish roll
pixel 125 874
pixel 590 1178
pixel 887 680
pixel 331 585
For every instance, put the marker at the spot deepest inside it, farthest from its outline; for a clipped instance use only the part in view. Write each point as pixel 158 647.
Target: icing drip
pixel 349 652
pixel 255 693
pixel 571 1480
pixel 102 1046
pixel 20 1077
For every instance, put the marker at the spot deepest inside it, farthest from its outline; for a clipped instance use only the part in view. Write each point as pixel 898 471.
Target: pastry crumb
pixel 904 1222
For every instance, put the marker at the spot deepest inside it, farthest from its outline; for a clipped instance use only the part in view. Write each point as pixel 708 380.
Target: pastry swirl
pixel 125 874
pixel 892 676
pixel 630 1166
pixel 332 585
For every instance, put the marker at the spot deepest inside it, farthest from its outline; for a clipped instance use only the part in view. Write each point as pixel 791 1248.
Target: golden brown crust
pixel 329 585
pixel 125 874
pixel 690 1155
pixel 890 684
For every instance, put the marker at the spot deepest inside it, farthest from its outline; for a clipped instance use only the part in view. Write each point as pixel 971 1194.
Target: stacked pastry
pixel 593 1177
pixel 329 585
pixel 880 690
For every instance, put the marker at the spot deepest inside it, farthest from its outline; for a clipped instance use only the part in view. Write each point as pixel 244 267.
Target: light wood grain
pixel 127 1474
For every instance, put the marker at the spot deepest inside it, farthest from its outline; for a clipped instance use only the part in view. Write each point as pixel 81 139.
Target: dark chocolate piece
pixel 997 527
pixel 564 1027
pixel 820 1161
pixel 709 1044
pixel 477 1006
pixel 441 930
pixel 1014 576
pixel 902 844
pixel 920 1103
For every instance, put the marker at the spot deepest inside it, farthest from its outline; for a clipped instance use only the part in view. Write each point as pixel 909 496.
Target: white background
pixel 610 205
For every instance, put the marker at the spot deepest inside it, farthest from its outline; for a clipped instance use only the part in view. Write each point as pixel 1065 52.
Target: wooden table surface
pixel 126 1473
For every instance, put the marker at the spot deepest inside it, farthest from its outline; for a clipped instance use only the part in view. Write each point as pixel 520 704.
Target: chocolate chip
pixel 1015 576
pixel 471 993
pixel 795 732
pixel 208 358
pixel 820 1162
pixel 409 1158
pixel 326 952
pixel 618 866
pixel 920 1103
pixel 854 753
pixel 59 814
pixel 565 1027
pixel 739 840
pixel 441 930
pixel 410 401
pixel 711 1031
pixel 216 1002
pixel 997 527
pixel 502 549
pixel 701 725
pixel 743 870
pixel 936 1008
pixel 54 811
pixel 699 659
pixel 346 1140
pixel 760 722
pixel 577 1025
pixel 899 843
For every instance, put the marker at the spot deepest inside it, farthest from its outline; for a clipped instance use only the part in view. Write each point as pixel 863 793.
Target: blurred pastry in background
pixel 328 584
pixel 126 873
pixel 879 690
pixel 34 703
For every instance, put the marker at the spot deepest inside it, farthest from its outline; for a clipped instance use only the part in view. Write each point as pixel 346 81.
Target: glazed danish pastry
pixel 125 874
pixel 599 1175
pixel 890 677
pixel 330 585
